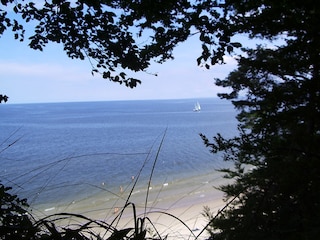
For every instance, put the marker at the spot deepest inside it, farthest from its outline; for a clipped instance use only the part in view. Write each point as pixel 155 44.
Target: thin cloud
pixel 42 70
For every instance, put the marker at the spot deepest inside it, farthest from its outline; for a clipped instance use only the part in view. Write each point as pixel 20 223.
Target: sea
pixel 56 154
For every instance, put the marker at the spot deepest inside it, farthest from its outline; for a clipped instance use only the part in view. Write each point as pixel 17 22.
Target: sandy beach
pixel 184 221
pixel 174 209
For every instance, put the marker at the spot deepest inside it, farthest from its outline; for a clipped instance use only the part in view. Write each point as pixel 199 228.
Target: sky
pixel 30 76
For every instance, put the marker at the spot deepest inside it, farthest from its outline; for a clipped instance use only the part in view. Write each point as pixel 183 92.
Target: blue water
pixel 59 150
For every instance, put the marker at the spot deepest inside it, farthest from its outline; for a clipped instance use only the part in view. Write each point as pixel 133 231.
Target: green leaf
pixel 236 44
pixel 106 74
pixel 229 49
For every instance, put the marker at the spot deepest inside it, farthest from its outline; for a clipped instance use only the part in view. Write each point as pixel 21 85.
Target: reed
pixel 66 225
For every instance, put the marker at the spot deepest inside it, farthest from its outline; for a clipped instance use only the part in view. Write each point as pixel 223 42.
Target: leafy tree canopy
pixel 121 34
pixel 115 35
pixel 276 155
pixel 118 36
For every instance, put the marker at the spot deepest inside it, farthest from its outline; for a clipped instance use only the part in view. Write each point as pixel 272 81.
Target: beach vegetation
pixel 17 220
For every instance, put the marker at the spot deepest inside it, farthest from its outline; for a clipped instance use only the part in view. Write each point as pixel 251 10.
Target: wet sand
pixel 174 208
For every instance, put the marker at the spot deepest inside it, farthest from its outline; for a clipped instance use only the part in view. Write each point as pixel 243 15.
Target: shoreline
pixel 184 199
pixel 189 212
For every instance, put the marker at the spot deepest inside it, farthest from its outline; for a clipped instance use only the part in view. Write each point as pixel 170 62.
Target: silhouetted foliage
pixel 276 155
pixel 3 98
pixel 107 32
pixel 119 35
pixel 15 222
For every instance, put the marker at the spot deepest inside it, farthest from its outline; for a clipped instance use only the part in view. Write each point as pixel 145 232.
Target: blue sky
pixel 29 76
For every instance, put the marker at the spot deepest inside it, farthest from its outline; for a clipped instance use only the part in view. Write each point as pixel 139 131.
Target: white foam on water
pixel 49 209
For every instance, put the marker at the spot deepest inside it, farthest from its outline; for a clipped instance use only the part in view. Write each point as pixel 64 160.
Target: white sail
pixel 197 107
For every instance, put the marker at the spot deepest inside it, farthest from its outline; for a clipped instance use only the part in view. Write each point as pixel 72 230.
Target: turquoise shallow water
pixel 66 151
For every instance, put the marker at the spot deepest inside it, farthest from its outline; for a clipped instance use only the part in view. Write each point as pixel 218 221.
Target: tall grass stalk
pixel 81 227
pixel 152 171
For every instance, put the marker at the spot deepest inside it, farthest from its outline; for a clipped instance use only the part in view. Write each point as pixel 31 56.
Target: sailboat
pixel 197 107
